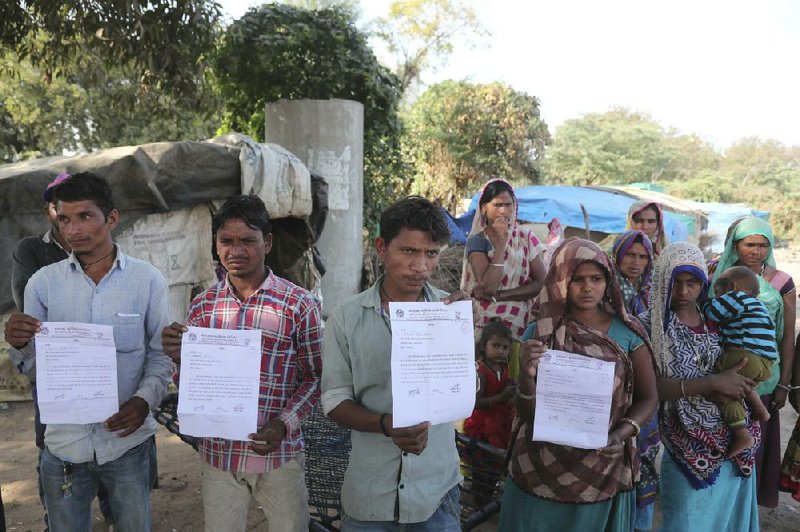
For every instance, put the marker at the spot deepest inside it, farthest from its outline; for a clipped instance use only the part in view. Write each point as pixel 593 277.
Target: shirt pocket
pixel 128 332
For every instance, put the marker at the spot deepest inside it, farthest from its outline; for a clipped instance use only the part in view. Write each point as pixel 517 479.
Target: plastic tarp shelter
pixel 721 216
pixel 608 211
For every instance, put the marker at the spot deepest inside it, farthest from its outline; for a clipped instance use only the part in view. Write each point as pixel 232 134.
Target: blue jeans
pixel 127 480
pixel 446 518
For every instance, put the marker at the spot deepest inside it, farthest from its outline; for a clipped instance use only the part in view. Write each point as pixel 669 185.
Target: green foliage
pixel 460 133
pixel 707 187
pixel 279 51
pixel 422 33
pixel 617 147
pixel 162 41
pixel 41 117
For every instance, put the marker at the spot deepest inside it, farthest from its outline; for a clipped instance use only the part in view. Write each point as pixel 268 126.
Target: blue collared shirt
pixel 133 299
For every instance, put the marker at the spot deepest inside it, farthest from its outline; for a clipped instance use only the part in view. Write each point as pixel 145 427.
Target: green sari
pixel 768 295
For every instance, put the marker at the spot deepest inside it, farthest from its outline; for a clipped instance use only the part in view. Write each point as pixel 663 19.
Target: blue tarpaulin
pixel 607 211
pixel 457 236
pixel 721 216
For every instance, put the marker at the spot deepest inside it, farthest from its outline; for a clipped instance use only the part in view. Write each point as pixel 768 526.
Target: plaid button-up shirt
pixel 291 364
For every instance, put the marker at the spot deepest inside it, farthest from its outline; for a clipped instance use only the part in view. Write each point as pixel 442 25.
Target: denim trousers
pixel 446 518
pixel 70 488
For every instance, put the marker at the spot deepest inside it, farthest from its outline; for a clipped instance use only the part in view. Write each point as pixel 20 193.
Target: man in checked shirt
pixel 270 468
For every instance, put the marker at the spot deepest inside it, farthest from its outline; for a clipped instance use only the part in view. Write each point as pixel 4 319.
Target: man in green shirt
pixel 396 476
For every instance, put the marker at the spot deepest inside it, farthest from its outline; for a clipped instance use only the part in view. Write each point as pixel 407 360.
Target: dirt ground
pixel 177 504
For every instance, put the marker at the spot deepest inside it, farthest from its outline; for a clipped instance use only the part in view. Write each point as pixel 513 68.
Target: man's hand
pixel 409 439
pixel 130 417
pixel 20 329
pixel 171 340
pixel 269 438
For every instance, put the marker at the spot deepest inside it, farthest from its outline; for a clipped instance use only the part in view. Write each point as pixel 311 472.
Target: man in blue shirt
pixel 101 285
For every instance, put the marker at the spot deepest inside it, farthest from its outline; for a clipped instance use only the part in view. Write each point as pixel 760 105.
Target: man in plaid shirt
pixel 270 467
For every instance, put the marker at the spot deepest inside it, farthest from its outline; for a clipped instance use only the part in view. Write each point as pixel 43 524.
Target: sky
pixel 723 70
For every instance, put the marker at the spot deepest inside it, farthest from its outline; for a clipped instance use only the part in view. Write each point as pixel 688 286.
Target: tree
pixel 617 147
pixel 692 157
pixel 422 33
pixel 164 41
pixel 279 51
pixel 459 133
pixel 41 117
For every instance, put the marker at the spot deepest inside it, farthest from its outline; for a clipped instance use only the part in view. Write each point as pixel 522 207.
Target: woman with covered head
pixel 750 243
pixel 502 269
pixel 632 254
pixel 702 488
pixel 558 487
pixel 648 217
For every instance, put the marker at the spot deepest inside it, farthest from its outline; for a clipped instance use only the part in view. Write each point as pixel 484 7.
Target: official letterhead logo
pixel 399 313
pixel 192 337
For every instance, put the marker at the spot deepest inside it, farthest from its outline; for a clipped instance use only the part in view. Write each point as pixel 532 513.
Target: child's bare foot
pixel 759 411
pixel 742 440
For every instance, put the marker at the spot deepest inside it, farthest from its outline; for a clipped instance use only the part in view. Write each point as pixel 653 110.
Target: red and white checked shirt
pixel 291 364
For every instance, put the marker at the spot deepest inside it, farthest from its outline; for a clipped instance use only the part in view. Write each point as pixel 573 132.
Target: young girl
pixel 491 419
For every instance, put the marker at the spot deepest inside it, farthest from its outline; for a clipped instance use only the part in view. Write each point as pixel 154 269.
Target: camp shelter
pixel 695 219
pixel 720 217
pixel 607 211
pixel 166 193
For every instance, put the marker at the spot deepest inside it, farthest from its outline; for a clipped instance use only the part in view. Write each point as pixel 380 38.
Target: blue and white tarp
pixel 607 211
pixel 721 216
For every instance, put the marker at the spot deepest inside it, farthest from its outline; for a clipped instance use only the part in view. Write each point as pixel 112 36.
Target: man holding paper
pixel 396 475
pixel 97 285
pixel 270 466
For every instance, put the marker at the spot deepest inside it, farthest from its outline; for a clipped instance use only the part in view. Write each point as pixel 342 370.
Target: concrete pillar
pixel 328 136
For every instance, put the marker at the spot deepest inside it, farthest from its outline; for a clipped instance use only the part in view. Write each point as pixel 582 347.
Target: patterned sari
pixel 522 248
pixel 558 472
pixel 692 428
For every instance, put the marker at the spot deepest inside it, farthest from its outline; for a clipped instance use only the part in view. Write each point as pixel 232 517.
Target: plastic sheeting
pixel 273 174
pixel 607 211
pixel 151 179
pixel 721 216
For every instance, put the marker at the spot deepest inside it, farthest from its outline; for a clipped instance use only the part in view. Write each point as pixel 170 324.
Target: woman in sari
pixel 632 254
pixel 749 243
pixel 633 257
pixel 648 217
pixel 502 268
pixel 702 489
pixel 559 487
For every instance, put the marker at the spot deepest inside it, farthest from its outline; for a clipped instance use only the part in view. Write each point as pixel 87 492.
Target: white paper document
pixel 573 400
pixel 433 362
pixel 76 372
pixel 220 377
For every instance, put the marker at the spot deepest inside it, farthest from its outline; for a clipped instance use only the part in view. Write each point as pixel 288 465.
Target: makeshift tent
pixel 721 216
pixel 693 218
pixel 166 193
pixel 607 210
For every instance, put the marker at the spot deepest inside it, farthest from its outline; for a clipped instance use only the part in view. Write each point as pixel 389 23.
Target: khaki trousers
pixel 281 494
